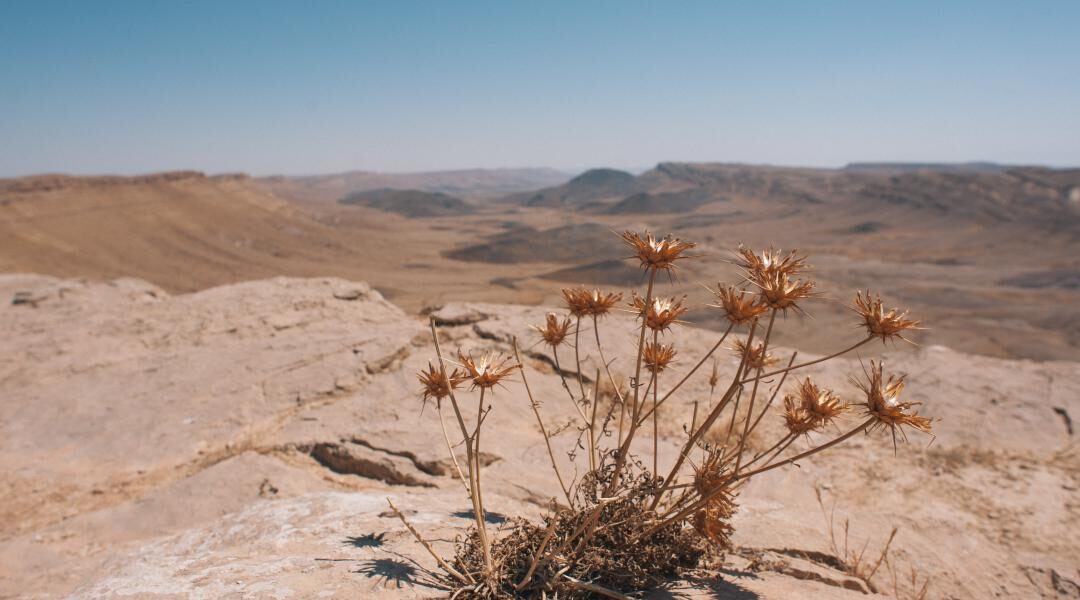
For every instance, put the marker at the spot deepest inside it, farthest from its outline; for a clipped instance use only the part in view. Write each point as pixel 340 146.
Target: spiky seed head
pixel 711 475
pixel 657 356
pixel 796 417
pixel 739 306
pixel 756 357
pixel 658 254
pixel 661 313
pixel 780 292
pixel 770 261
pixel 879 322
pixel 584 303
pixel 822 405
pixel 883 403
pixel 437 383
pixel 714 521
pixel 554 331
pixel 487 371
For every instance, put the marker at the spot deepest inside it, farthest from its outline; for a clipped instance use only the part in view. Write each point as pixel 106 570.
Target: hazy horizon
pixel 274 88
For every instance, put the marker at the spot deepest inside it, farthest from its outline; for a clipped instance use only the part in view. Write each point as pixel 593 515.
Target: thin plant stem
pixel 815 361
pixel 655 414
pixel 577 357
pixel 450 448
pixel 566 386
pixel 705 425
pixel 593 454
pixel 611 380
pixel 442 563
pixel 624 448
pixel 543 429
pixel 753 392
pixel 746 475
pixel 772 398
pixel 539 554
pixel 670 392
pixel 474 464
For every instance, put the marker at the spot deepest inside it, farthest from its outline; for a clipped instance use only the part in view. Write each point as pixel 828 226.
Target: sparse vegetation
pixel 631 523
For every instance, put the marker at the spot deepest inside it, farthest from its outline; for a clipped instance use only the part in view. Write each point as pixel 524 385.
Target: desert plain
pixel 210 380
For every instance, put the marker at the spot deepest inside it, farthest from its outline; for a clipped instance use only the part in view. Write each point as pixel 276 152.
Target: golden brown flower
pixel 796 417
pixel 821 404
pixel 486 372
pixel 714 521
pixel 659 254
pixel 657 356
pixel 770 261
pixel 739 306
pixel 661 312
pixel 884 406
pixel 437 383
pixel 757 357
pixel 583 302
pixel 880 322
pixel 780 292
pixel 554 331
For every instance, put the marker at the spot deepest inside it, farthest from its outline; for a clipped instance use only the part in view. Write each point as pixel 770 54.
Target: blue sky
pixel 308 87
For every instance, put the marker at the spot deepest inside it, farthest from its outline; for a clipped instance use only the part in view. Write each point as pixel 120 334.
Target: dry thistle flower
pixel 780 292
pixel 583 302
pixel 653 253
pixel 884 405
pixel 486 372
pixel 657 356
pixel 661 313
pixel 821 404
pixel 880 322
pixel 770 261
pixel 553 331
pixel 797 419
pixel 711 474
pixel 739 307
pixel 756 357
pixel 714 521
pixel 437 383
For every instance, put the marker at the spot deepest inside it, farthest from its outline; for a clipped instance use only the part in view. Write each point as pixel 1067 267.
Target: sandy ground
pixel 166 446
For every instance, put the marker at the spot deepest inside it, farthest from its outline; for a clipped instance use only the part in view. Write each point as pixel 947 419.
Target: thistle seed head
pixel 739 306
pixel 658 254
pixel 486 372
pixel 554 331
pixel 756 357
pixel 657 356
pixel 884 406
pixel 879 322
pixel 437 383
pixel 584 303
pixel 661 312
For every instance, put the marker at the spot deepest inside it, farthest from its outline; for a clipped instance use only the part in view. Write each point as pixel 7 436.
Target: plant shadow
pixel 493 518
pixel 387 571
pixel 368 540
pixel 715 587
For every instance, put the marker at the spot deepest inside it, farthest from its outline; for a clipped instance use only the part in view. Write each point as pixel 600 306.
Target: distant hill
pixel 184 230
pixel 585 189
pixel 467 183
pixel 410 203
pixel 661 202
pixel 560 244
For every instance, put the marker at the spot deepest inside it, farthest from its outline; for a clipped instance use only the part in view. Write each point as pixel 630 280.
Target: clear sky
pixel 318 86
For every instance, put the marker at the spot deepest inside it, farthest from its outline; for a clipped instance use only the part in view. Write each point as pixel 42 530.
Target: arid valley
pixel 210 380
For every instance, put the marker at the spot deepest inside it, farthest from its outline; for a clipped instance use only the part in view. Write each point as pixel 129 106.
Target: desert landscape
pixel 211 380
pixel 540 301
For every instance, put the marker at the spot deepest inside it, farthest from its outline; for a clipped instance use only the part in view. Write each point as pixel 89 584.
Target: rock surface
pixel 242 441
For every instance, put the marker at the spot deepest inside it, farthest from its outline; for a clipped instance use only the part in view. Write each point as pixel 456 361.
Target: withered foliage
pixel 620 527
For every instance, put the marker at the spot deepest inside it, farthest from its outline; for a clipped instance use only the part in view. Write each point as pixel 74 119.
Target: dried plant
pixel 625 525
